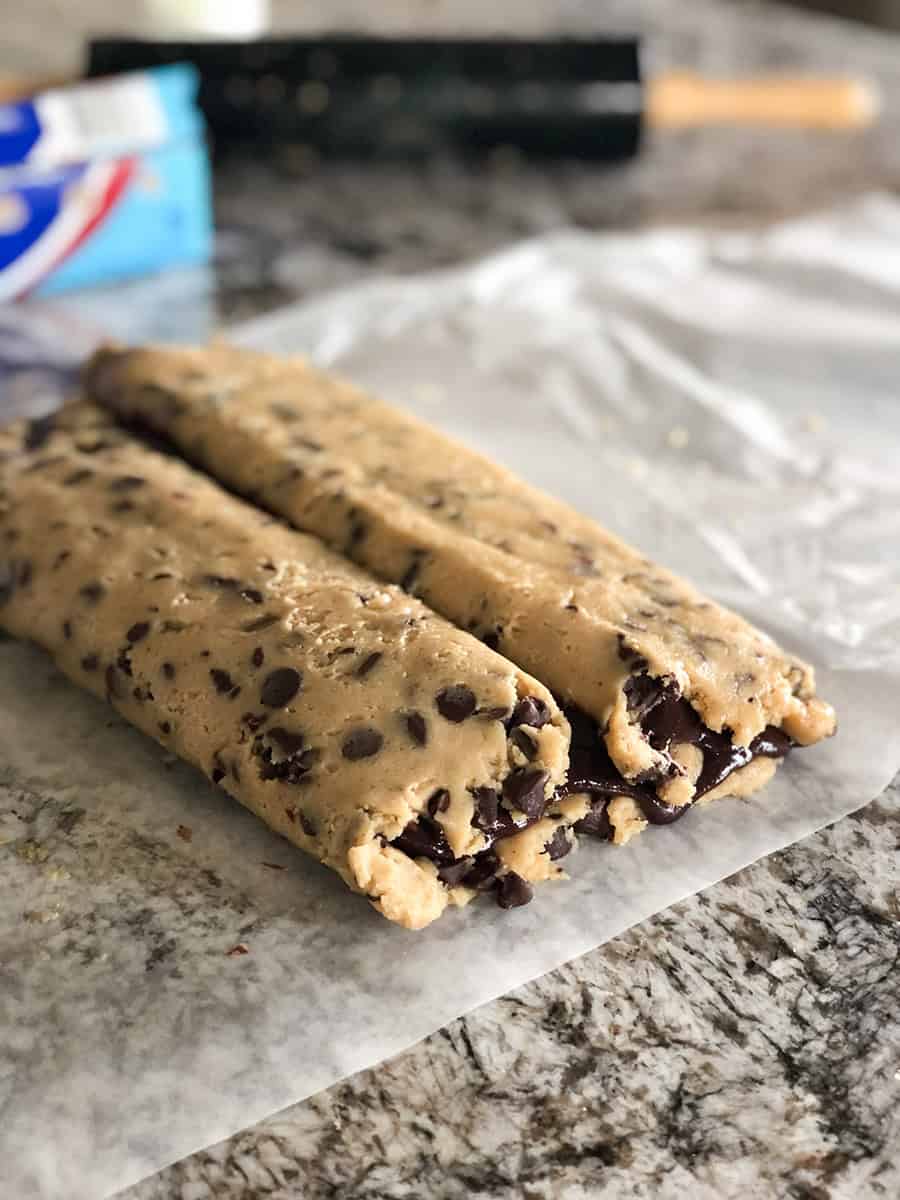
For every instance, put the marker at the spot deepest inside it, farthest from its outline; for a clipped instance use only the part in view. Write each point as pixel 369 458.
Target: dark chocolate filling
pixel 666 718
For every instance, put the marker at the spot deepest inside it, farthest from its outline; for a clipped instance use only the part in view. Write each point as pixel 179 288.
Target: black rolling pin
pixel 361 97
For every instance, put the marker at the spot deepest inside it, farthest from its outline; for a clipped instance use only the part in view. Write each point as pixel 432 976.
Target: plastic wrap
pixel 728 403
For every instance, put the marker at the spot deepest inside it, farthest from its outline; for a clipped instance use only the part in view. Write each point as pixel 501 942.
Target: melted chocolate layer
pixel 665 718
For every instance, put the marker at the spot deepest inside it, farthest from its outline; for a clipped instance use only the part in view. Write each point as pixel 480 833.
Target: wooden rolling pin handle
pixel 679 101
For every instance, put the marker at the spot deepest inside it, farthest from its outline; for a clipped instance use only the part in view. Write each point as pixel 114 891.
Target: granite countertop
pixel 745 1043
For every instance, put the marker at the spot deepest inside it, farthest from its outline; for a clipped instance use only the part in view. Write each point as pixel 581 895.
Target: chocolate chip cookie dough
pixel 400 751
pixel 689 699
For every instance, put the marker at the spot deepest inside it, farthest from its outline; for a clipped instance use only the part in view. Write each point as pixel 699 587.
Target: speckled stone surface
pixel 746 1043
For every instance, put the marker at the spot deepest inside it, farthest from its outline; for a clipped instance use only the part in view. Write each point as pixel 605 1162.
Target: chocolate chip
pixel 525 743
pixel 481 876
pixel 138 631
pixel 79 476
pixel 90 662
pixel 112 683
pixel 417 728
pixel 61 558
pixel 220 583
pixel 307 825
pixel 524 789
pixel 7 582
pixel 642 692
pixel 251 595
pixel 513 891
pixel 280 687
pixel 456 702
pixel 222 680
pixel 168 669
pixel 67 630
pixel 412 571
pixel 596 823
pixel 283 756
pixel 438 801
pixel 161 575
pixel 217 774
pixel 368 663
pixel 92 593
pixel 487 806
pixel 363 742
pixel 492 639
pixel 425 838
pixel 263 622
pixel 530 711
pixel 122 506
pixel 126 483
pixel 165 727
pixel 558 846
pixel 257 657
pixel 123 662
pixel 455 873
pixel 142 693
pixel 288 743
pixel 38 431
pixel 358 531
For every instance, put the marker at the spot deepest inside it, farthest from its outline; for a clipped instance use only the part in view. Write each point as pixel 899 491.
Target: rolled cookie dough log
pixel 690 698
pixel 400 751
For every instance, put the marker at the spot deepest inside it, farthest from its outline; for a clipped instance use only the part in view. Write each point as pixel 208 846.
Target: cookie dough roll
pixel 400 751
pixel 673 697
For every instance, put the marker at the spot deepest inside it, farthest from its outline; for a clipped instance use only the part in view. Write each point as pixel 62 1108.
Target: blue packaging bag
pixel 102 118
pixel 96 219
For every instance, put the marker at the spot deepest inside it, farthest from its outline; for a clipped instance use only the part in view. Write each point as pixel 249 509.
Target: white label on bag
pixel 101 119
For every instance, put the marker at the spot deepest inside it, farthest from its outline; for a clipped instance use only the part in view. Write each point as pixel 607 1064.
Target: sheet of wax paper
pixel 729 403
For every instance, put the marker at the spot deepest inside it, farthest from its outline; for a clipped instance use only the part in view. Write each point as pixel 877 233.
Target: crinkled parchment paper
pixel 729 403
